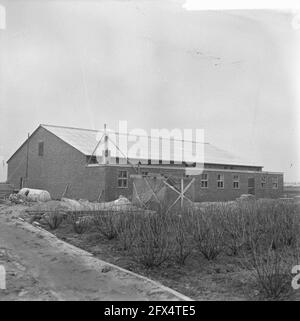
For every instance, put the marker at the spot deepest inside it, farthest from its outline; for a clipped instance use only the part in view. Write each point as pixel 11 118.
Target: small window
pixel 274 182
pixel 204 180
pixel 263 181
pixel 117 160
pixel 123 179
pixel 91 159
pixel 236 181
pixel 220 181
pixel 41 148
pixel 149 161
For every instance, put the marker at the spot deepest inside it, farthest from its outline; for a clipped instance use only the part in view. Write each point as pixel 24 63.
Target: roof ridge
pixel 120 133
pixel 68 127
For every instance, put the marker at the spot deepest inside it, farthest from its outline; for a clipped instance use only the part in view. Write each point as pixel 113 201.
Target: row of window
pixel 123 177
pixel 123 180
pixel 235 181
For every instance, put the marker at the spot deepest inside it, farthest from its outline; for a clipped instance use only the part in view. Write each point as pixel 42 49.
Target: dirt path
pixel 41 267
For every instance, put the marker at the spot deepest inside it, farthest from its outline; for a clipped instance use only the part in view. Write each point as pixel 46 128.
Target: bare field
pixel 39 266
pixel 226 252
pixel 292 191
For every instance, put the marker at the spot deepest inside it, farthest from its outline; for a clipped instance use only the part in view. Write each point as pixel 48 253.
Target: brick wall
pixel 212 193
pixel 60 165
pixel 112 190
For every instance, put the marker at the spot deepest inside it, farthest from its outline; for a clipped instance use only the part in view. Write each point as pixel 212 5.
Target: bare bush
pixel 153 243
pixel 53 219
pixel 182 228
pixel 272 270
pixel 126 229
pixel 273 245
pixel 106 224
pixel 208 232
pixel 80 224
pixel 233 223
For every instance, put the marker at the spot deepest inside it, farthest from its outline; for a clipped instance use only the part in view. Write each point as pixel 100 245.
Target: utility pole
pixel 105 146
pixel 27 159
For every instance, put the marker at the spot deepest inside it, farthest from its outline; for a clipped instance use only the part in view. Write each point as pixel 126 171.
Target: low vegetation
pixel 263 235
pixel 53 219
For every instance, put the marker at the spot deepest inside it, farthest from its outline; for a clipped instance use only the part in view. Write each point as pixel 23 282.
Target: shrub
pixel 53 219
pixel 272 237
pixel 272 271
pixel 126 229
pixel 106 224
pixel 208 232
pixel 233 224
pixel 153 243
pixel 80 224
pixel 182 229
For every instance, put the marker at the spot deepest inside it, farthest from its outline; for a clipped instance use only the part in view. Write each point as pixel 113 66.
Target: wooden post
pixel 105 146
pixel 181 195
pixel 99 197
pixel 65 191
pixel 27 161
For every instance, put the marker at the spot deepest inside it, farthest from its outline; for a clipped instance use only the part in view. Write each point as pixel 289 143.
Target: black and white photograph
pixel 149 151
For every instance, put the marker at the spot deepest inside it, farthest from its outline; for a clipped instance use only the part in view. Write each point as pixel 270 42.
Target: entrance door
pixel 251 185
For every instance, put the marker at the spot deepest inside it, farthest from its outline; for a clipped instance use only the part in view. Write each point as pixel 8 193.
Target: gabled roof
pixel 85 140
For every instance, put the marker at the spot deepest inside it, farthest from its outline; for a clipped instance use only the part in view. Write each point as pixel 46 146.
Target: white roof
pixel 87 142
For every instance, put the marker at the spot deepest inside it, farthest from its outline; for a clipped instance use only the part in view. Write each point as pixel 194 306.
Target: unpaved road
pixel 41 267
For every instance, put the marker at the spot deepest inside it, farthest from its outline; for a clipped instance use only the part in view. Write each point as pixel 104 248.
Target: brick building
pixel 62 161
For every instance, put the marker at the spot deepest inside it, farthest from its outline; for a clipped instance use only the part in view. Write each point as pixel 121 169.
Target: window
pixel 123 179
pixel 204 180
pixel 220 181
pixel 274 182
pixel 117 160
pixel 263 181
pixel 144 173
pixel 91 159
pixel 149 161
pixel 41 148
pixel 236 181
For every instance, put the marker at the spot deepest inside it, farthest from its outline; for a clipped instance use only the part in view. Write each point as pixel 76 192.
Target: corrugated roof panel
pixel 86 142
pixel 82 139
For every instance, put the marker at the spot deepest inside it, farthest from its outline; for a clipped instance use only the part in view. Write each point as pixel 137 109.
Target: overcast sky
pixel 156 65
